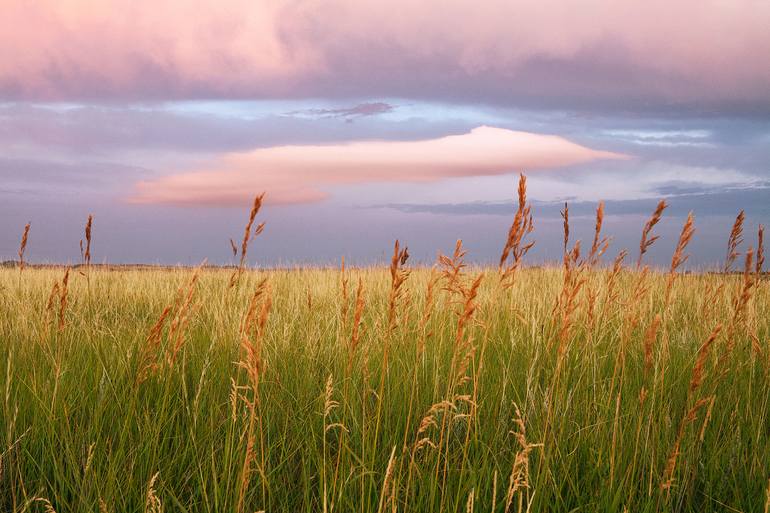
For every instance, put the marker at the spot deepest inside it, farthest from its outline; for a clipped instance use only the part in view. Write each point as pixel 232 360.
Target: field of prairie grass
pixel 582 387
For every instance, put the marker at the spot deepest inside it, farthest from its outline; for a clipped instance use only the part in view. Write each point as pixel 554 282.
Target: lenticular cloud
pixel 305 173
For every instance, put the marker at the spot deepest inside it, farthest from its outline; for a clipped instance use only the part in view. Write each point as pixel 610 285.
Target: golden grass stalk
pixel 760 250
pixel 734 240
pixel 679 256
pixel 233 248
pixel 23 246
pixel 567 301
pixel 398 276
pixel 649 341
pixel 63 298
pixel 688 418
pixel 247 237
pixel 743 297
pixel 469 505
pixel 179 313
pixel 514 245
pixel 329 406
pixel 612 293
pixel 148 354
pixel 176 331
pixel 47 506
pixel 152 503
pixel 565 221
pixel 87 252
pixel 452 269
pixel 49 306
pixel 251 363
pixel 518 481
pixel 468 308
pixel 385 494
pixel 696 380
pixel 647 238
pixel 600 244
pixel 740 305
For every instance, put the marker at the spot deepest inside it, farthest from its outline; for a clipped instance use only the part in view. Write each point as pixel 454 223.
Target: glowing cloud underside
pixel 297 174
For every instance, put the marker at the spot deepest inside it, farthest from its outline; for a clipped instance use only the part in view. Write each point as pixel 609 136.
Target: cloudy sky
pixel 367 120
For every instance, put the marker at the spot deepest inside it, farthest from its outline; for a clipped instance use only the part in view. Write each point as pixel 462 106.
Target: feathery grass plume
pixel 23 247
pixel 519 478
pixel 700 361
pixel 463 353
pixel 494 491
pixel 565 221
pixel 612 293
pixel 355 335
pixel 514 245
pixel 429 422
pixel 679 256
pixel 178 311
pixel 567 300
pixel 152 503
pixel 600 244
pixel 385 494
pixel 148 354
pixel 688 418
pixel 452 270
pixel 251 363
pixel 740 304
pixel 760 250
pixel 464 349
pixel 649 340
pixel 329 406
pixel 735 240
pixel 470 503
pixel 741 300
pixel 176 331
pixel 87 252
pixel 63 298
pixel 466 313
pixel 50 309
pixel 696 380
pixel 49 306
pixel 247 237
pixel 707 418
pixel 598 248
pixel 398 276
pixel 252 310
pixel 647 238
pixel 233 248
pixel 47 506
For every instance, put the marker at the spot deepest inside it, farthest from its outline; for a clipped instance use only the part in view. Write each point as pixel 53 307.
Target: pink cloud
pixel 296 174
pixel 500 50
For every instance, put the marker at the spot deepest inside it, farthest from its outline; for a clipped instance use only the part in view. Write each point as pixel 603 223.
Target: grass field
pixel 430 406
pixel 582 387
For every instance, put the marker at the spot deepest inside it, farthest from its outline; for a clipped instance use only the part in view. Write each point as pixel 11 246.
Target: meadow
pixel 597 385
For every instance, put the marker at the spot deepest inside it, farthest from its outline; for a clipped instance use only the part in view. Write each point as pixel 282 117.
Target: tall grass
pixel 573 388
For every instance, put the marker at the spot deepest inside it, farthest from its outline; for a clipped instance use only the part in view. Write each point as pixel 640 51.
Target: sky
pixel 365 121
